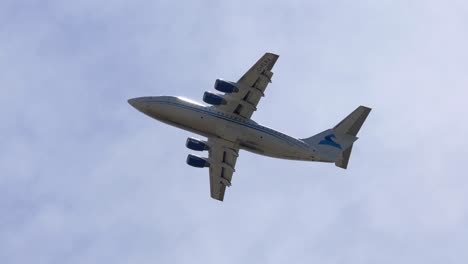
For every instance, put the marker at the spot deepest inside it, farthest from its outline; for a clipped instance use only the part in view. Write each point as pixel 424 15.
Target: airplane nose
pixel 133 102
pixel 138 102
pixel 148 105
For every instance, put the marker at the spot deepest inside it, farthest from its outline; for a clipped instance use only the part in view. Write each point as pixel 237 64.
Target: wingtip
pixel 366 108
pixel 220 199
pixel 272 54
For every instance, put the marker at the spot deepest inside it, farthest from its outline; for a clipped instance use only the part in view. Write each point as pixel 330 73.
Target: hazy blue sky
pixel 85 178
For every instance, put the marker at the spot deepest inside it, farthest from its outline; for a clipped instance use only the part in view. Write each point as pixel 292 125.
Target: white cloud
pixel 86 178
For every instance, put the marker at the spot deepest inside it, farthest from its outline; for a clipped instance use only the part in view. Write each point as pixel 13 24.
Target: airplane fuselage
pixel 209 122
pixel 226 123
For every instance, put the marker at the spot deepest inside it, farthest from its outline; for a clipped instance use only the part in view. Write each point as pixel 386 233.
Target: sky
pixel 85 178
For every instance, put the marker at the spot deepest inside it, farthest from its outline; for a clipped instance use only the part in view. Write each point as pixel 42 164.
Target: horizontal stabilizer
pixel 350 126
pixel 343 158
pixel 335 145
pixel 353 122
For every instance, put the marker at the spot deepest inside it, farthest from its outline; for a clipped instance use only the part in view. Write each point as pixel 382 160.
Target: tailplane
pixel 335 145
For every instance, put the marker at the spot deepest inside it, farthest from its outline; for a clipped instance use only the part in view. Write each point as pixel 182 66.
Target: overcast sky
pixel 85 178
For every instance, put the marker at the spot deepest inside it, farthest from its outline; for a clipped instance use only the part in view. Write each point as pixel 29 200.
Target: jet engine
pixel 195 144
pixel 225 87
pixel 196 161
pixel 213 99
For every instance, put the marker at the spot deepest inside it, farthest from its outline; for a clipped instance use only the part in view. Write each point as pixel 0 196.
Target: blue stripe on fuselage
pixel 250 125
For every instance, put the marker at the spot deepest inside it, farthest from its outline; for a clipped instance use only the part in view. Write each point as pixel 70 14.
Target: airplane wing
pixel 222 156
pixel 251 86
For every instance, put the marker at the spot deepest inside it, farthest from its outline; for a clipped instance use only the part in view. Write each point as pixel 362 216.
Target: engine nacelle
pixel 213 99
pixel 225 87
pixel 197 162
pixel 195 144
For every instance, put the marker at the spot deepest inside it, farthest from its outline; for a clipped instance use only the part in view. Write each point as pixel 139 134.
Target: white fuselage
pixel 209 122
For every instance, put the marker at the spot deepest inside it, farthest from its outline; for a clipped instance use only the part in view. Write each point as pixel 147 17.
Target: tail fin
pixel 335 145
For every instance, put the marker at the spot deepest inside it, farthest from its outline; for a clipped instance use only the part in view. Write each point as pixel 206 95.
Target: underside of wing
pixel 242 97
pixel 222 158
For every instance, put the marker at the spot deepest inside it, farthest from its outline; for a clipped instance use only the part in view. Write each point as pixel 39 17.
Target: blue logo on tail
pixel 329 141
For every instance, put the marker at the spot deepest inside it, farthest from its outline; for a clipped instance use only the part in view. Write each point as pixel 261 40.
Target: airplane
pixel 226 123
